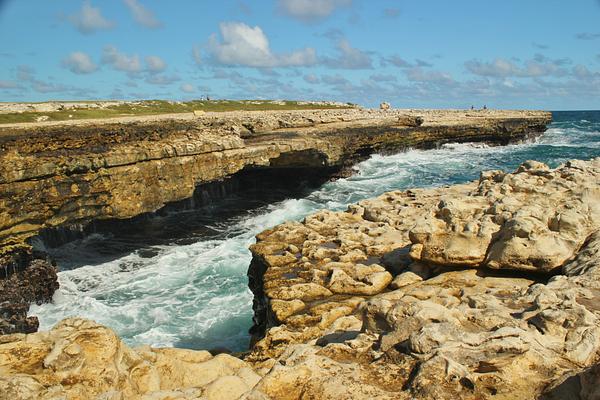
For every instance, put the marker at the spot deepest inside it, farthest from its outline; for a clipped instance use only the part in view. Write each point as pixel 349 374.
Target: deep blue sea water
pixel 192 291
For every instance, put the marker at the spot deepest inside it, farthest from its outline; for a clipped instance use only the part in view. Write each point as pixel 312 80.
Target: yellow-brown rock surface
pixel 71 173
pixel 489 289
pixel 80 359
pixel 447 324
pixel 54 175
pixel 351 311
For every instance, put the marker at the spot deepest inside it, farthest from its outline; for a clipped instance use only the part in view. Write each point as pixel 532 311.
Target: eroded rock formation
pixel 63 175
pixel 483 290
pixel 26 277
pixel 80 359
pixel 349 308
pixel 69 174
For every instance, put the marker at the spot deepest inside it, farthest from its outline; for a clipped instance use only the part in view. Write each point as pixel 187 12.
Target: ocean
pixel 179 279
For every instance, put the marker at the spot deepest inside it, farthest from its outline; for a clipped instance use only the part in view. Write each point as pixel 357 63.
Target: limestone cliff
pixel 64 175
pixel 61 175
pixel 368 304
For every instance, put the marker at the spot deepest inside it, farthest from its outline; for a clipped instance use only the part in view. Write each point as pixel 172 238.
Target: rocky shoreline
pixel 488 289
pixel 481 290
pixel 66 176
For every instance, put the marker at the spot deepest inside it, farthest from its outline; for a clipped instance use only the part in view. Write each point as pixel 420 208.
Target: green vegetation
pixel 155 107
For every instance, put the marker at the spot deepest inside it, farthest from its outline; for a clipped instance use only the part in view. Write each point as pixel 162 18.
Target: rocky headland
pixel 65 175
pixel 486 290
pixel 482 290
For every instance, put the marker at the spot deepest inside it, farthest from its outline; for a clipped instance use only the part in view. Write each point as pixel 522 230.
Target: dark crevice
pixel 187 221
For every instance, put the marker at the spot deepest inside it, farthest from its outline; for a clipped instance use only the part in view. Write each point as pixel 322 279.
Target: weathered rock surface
pixel 584 385
pixel 24 279
pixel 63 175
pixel 483 290
pixel 54 176
pixel 350 309
pixel 80 359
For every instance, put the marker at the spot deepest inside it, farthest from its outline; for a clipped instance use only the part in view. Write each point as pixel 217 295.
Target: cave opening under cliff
pixel 181 222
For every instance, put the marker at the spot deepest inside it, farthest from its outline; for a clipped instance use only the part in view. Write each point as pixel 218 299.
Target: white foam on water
pixel 196 295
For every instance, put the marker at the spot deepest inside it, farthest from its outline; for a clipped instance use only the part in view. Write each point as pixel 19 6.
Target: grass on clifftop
pixel 156 107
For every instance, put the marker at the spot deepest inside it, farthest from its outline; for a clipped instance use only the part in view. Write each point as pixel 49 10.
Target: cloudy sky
pixel 428 53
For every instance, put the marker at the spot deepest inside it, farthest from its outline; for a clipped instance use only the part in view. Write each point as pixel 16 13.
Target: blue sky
pixel 444 54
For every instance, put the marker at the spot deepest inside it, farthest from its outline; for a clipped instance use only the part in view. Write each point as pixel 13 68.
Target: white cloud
pixel 247 46
pixel 197 55
pixel 155 64
pixel 503 68
pixel 349 57
pixel 383 78
pixel 120 61
pixel 79 63
pixel 397 61
pixel 89 19
pixel 162 80
pixel 581 72
pixel 310 10
pixel 187 88
pixel 500 67
pixel 45 87
pixel 336 80
pixel 391 12
pixel 418 74
pixel 8 85
pixel 142 15
pixel 25 73
pixel 587 36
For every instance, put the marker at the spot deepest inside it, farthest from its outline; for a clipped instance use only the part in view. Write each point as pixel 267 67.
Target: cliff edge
pixel 486 290
pixel 65 175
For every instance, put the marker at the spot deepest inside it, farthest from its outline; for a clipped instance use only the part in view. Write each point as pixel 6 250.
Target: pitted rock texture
pixel 350 312
pixel 80 359
pixel 464 313
pixel 533 220
pixel 25 278
pixel 66 175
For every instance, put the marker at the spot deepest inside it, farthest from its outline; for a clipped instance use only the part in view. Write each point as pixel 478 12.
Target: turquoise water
pixel 191 290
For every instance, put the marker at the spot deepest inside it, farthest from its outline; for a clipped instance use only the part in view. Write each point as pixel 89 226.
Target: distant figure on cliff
pixel 484 107
pixel 472 107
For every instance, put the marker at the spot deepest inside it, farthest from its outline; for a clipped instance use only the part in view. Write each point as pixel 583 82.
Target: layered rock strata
pixel 63 175
pixel 353 308
pixel 484 290
pixel 55 175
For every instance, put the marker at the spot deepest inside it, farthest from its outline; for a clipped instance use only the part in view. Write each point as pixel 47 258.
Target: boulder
pixel 409 120
pixel 79 359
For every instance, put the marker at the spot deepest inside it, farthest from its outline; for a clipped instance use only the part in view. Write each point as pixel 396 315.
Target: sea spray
pixel 192 291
